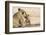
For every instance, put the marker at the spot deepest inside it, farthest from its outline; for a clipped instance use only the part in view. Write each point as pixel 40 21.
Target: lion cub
pixel 19 19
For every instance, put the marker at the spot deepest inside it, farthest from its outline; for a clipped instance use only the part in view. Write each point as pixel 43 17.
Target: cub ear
pixel 19 9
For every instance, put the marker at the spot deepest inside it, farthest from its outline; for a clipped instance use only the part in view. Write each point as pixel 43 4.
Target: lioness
pixel 19 18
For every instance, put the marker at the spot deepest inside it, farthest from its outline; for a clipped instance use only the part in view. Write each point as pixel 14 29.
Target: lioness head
pixel 23 13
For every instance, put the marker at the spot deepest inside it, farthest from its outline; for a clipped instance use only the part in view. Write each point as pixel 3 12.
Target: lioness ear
pixel 18 9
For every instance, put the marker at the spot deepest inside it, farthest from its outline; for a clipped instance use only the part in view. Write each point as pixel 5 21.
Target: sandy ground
pixel 35 20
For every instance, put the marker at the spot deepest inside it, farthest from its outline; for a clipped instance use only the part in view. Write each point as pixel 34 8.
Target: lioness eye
pixel 22 12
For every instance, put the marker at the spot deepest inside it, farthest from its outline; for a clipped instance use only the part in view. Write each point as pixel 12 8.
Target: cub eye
pixel 22 12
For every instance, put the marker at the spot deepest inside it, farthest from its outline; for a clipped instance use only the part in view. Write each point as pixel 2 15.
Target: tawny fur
pixel 20 19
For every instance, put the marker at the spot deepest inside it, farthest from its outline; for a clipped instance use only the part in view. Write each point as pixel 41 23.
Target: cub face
pixel 19 18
